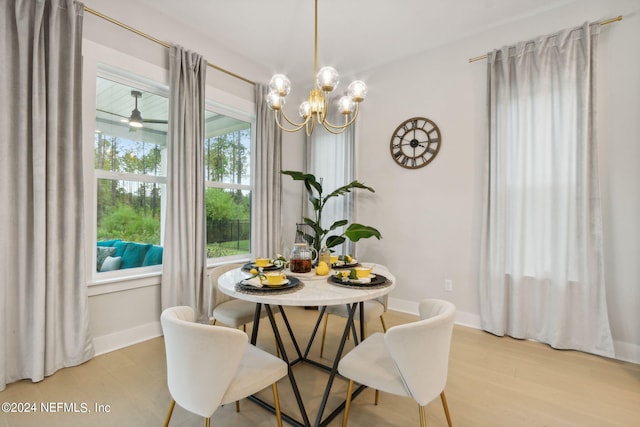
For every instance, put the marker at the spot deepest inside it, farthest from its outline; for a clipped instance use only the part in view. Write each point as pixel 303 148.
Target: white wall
pixel 430 217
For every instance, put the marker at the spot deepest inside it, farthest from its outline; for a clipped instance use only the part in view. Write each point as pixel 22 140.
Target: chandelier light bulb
pixel 275 101
pixel 305 109
pixel 346 105
pixel 280 84
pixel 327 79
pixel 357 90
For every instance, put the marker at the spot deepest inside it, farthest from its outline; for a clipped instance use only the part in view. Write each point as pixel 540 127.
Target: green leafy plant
pixel 321 237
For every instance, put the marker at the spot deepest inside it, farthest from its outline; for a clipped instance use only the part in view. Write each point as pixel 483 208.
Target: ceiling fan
pixel 135 120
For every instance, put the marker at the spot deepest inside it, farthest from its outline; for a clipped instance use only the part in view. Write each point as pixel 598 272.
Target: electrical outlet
pixel 448 285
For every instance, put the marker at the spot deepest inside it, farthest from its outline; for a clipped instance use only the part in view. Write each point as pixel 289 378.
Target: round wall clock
pixel 415 143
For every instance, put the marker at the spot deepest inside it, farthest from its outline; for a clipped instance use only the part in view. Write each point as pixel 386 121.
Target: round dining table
pixel 307 290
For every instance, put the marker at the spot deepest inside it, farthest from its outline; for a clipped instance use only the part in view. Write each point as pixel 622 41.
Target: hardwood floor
pixel 492 382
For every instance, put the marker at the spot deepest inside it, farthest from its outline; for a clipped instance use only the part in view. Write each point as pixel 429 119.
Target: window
pixel 130 173
pixel 334 171
pixel 227 160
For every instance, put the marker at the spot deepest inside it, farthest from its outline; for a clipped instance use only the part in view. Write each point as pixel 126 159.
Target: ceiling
pixel 114 104
pixel 354 35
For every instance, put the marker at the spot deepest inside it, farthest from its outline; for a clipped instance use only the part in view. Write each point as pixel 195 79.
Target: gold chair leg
pixel 276 400
pixel 446 408
pixel 423 416
pixel 207 422
pixel 244 328
pixel 171 406
pixel 384 325
pixel 377 397
pixel 347 404
pixel 213 322
pixel 237 406
pixel 324 334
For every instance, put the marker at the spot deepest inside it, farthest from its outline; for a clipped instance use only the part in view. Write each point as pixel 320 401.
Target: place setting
pixel 272 282
pixel 343 262
pixel 266 264
pixel 361 277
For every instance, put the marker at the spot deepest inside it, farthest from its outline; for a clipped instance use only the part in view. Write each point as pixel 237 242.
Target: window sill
pixel 116 281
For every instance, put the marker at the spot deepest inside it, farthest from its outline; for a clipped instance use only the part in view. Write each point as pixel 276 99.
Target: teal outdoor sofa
pixel 119 254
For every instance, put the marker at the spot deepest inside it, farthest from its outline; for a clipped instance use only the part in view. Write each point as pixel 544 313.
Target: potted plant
pixel 321 237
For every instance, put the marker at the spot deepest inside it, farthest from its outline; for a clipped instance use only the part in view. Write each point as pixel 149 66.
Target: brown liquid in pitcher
pixel 300 265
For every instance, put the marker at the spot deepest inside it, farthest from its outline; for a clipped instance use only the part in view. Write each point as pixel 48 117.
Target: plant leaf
pixel 316 228
pixel 338 224
pixel 309 180
pixel 334 241
pixel 356 232
pixel 347 189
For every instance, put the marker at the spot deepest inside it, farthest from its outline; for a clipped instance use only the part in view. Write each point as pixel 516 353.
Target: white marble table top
pixel 316 291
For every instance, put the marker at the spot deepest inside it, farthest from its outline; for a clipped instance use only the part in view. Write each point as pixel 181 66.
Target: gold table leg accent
pixel 377 397
pixel 446 408
pixel 207 422
pixel 237 406
pixel 171 406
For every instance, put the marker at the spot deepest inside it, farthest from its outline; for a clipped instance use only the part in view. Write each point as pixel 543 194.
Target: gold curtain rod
pixel 605 22
pixel 158 41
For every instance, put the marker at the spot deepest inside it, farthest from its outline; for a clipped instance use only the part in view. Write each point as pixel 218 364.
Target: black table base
pixel 304 358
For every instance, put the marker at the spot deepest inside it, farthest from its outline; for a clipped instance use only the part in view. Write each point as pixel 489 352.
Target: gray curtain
pixel 268 181
pixel 542 276
pixel 183 270
pixel 44 324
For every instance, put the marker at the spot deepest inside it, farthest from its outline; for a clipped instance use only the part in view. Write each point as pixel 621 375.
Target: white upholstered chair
pixel 227 309
pixel 373 309
pixel 408 360
pixel 209 366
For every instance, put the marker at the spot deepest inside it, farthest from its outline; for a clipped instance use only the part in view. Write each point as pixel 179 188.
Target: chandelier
pixel 315 108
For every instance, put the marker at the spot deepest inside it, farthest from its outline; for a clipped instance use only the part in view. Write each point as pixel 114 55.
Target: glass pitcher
pixel 302 258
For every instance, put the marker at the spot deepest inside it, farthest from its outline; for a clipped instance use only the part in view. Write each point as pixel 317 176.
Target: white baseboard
pixel 411 307
pixel 121 339
pixel 626 352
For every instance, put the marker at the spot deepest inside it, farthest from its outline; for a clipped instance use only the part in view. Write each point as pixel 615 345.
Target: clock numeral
pixel 397 154
pixel 413 162
pixel 404 161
